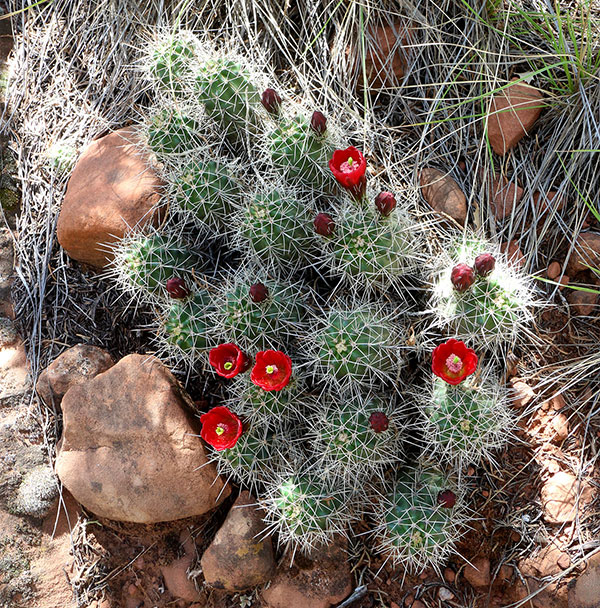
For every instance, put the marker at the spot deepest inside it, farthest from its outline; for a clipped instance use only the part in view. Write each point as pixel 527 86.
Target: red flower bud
pixel 379 422
pixel 324 224
pixel 385 203
pixel 446 499
pixel 462 277
pixel 318 123
pixel 258 292
pixel 271 101
pixel 484 264
pixel 176 288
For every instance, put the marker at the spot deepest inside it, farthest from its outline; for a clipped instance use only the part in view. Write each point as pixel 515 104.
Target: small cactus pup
pixel 171 64
pixel 348 167
pixel 62 155
pixel 421 517
pixel 207 193
pixel 355 437
pixel 271 323
pixel 371 251
pixel 480 297
pixel 170 131
pixel 184 332
pixel 276 229
pixel 355 346
pixel 306 509
pixel 301 152
pixel 269 409
pixel 145 262
pixel 225 87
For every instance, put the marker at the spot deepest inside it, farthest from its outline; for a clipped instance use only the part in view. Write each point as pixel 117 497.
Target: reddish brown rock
pixel 77 364
pixel 563 496
pixel 504 195
pixel 112 188
pixel 443 194
pixel 560 428
pixel 521 393
pixel 583 303
pixel 319 582
pixel 240 557
pixel 586 591
pixel 586 253
pixel 513 112
pixel 554 270
pixel 175 573
pixel 548 201
pixel 477 573
pixel 129 451
pixel 544 563
pixel 385 57
pixel 513 253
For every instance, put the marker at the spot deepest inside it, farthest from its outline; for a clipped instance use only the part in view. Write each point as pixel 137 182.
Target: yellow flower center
pixel 271 369
pixel 219 430
pixel 228 365
pixel 350 161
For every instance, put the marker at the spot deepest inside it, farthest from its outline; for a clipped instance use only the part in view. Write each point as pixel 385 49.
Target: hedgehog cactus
pixel 171 66
pixel 421 516
pixel 225 89
pixel 301 153
pixel 171 132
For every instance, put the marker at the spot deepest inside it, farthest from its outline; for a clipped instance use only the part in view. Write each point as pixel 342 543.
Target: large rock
pixel 129 451
pixel 318 582
pixel 583 303
pixel 112 188
pixel 586 253
pixel 513 112
pixel 240 556
pixel 443 194
pixel 563 496
pixel 77 364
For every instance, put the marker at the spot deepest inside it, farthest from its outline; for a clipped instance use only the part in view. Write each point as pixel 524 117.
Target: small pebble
pixel 553 271
pixel 564 561
pixel 445 594
pixel 408 601
pixel 449 575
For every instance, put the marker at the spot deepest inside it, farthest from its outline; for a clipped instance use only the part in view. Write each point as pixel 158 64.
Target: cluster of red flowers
pixel 272 372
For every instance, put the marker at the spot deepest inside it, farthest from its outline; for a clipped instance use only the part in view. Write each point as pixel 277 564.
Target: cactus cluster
pixel 331 411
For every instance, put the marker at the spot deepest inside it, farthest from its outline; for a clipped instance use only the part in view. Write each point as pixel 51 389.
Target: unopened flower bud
pixel 271 101
pixel 176 288
pixel 318 123
pixel 258 292
pixel 446 499
pixel 324 224
pixel 379 422
pixel 462 277
pixel 385 203
pixel 484 264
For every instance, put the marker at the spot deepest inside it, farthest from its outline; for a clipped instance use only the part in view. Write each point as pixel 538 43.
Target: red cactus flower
pixel 228 360
pixel 462 277
pixel 379 422
pixel 220 428
pixel 385 203
pixel 348 167
pixel 484 264
pixel 271 101
pixel 318 123
pixel 272 370
pixel 453 361
pixel 176 288
pixel 324 224
pixel 258 292
pixel 446 499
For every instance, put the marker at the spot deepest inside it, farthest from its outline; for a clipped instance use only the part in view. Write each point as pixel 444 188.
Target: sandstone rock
pixel 14 371
pixel 513 253
pixel 583 303
pixel 563 496
pixel 449 575
pixel 319 582
pixel 545 563
pixel 560 428
pixel 504 195
pixel 586 253
pixel 77 364
pixel 477 573
pixel 129 451
pixel 239 556
pixel 443 194
pixel 544 202
pixel 586 591
pixel 175 573
pixel 521 393
pixel 553 271
pixel 112 188
pixel 513 112
pixel 385 60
